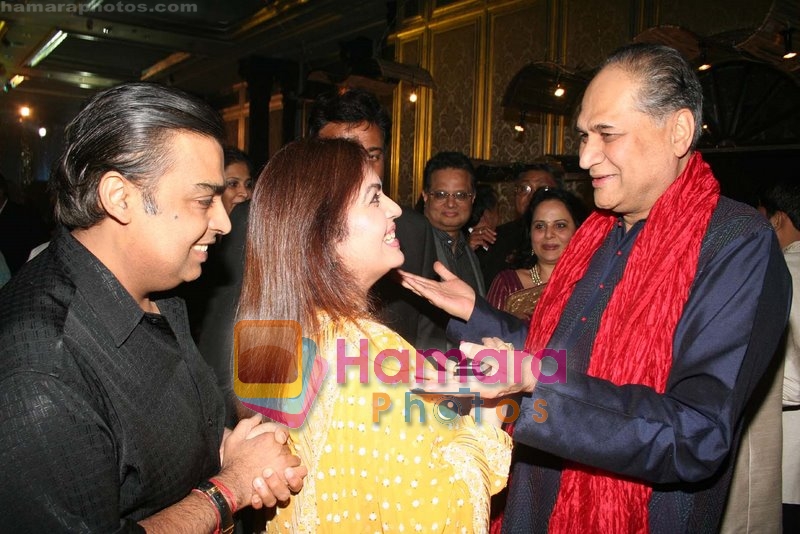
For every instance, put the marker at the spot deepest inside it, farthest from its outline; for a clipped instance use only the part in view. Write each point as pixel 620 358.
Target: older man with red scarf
pixel 669 303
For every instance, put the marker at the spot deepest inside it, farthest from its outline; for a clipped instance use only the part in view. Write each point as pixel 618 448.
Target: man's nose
pixel 590 152
pixel 219 221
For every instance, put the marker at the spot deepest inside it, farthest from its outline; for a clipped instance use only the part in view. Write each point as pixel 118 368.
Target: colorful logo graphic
pixel 276 371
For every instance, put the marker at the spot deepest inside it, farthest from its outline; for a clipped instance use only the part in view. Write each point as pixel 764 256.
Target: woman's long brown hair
pixel 292 271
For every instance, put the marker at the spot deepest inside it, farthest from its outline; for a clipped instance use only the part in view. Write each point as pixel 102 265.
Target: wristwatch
pixel 216 496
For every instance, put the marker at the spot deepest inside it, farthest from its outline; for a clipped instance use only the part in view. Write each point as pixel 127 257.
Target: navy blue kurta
pixel 681 441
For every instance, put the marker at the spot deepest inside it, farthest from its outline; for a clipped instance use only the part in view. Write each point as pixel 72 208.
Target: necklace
pixel 535 276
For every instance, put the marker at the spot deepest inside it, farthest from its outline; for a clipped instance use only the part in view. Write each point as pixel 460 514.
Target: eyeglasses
pixel 525 189
pixel 459 196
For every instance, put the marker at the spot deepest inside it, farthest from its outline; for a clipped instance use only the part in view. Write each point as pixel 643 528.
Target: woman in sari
pixel 552 218
pixel 321 234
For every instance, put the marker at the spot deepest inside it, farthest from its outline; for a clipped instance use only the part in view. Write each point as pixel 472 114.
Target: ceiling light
pixel 24 111
pixel 42 131
pixel 16 80
pixel 413 96
pixel 559 92
pixel 520 126
pixel 789 52
pixel 45 50
pixel 704 64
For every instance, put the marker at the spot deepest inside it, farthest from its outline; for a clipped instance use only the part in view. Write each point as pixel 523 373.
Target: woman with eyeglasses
pixel 373 466
pixel 552 218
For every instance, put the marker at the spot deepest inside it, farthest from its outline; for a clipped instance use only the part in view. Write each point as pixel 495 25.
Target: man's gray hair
pixel 667 82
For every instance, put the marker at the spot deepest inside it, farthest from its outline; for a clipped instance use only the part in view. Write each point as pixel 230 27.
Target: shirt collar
pixel 447 239
pixel 792 247
pixel 112 304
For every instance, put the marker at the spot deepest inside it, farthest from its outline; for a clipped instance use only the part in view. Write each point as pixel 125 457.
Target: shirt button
pixel 619 253
pixel 602 286
pixel 583 319
pixel 619 224
pixel 210 422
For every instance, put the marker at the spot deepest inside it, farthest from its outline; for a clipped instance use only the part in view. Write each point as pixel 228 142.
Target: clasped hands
pixel 258 465
pixel 482 236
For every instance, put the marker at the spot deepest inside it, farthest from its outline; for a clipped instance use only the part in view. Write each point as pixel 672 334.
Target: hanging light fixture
pixel 704 64
pixel 520 126
pixel 789 52
pixel 413 96
pixel 559 92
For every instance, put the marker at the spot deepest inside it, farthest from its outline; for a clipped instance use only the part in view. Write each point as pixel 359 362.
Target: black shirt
pixel 107 414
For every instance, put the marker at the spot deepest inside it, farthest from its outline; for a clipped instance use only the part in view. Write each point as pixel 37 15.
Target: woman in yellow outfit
pixel 321 234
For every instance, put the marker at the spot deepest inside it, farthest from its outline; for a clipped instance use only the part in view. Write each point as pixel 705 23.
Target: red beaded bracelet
pixel 225 524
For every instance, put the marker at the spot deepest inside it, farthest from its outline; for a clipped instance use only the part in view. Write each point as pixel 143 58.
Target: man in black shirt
pixel 109 419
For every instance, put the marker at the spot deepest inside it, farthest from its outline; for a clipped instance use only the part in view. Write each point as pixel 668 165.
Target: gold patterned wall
pixel 404 132
pixel 517 37
pixel 596 28
pixel 454 104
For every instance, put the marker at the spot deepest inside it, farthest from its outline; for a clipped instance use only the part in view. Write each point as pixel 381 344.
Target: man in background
pixel 448 192
pixel 780 203
pixel 20 231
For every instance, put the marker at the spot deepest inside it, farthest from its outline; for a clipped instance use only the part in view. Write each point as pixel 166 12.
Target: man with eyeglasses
pixel 448 193
pixel 512 236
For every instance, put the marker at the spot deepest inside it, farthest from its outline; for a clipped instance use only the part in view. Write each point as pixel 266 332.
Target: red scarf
pixel 634 339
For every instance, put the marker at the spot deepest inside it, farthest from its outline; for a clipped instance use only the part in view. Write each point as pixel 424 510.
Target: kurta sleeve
pixel 486 321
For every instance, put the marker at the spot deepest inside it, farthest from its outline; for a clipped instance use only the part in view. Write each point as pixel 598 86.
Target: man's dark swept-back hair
pixel 126 129
pixel 782 195
pixel 448 160
pixel 350 107
pixel 667 82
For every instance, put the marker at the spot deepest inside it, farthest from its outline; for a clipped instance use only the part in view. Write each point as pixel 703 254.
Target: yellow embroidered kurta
pixel 393 475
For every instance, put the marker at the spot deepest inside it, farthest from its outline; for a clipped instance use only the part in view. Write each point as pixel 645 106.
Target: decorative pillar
pixel 262 75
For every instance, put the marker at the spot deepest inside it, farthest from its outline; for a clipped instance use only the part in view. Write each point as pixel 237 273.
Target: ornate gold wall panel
pixel 454 65
pixel 404 133
pixel 595 28
pixel 516 38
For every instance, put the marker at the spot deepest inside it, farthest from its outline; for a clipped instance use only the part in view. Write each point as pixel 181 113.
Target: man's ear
pixel 778 219
pixel 683 128
pixel 114 193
